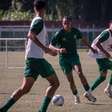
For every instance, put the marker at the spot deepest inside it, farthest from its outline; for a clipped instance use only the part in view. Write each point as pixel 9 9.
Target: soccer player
pixel 103 45
pixel 35 63
pixel 64 41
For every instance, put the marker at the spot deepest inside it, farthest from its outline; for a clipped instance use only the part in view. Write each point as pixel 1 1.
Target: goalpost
pixel 12 52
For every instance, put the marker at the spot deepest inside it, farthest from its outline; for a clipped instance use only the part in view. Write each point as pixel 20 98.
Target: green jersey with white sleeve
pixel 105 38
pixel 32 50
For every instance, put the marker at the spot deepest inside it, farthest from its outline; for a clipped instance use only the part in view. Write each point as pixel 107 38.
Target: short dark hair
pixel 39 4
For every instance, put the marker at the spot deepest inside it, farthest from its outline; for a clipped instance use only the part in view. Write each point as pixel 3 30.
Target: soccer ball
pixel 58 100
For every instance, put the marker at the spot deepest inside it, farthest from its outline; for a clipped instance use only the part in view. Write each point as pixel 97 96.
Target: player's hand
pixel 50 51
pixel 62 50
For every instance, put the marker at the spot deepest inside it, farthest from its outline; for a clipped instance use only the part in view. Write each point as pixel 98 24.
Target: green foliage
pixel 1 14
pixel 15 15
pixel 91 10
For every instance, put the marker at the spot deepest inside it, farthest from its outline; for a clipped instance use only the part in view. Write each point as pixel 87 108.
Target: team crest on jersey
pixel 63 39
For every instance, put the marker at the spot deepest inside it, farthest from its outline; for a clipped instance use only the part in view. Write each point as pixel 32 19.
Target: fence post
pixel 6 56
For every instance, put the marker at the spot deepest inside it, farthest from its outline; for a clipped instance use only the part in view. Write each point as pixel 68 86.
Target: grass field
pixel 10 79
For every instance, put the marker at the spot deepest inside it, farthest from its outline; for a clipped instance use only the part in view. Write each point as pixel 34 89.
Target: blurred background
pixel 87 10
pixel 89 16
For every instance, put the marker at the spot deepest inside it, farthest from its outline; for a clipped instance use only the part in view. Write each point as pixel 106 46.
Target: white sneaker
pixel 108 92
pixel 77 99
pixel 89 96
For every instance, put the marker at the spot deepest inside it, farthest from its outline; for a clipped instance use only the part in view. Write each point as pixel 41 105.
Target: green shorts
pixel 35 67
pixel 104 64
pixel 67 63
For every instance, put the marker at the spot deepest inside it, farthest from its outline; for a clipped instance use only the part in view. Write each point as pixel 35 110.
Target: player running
pixel 103 45
pixel 35 63
pixel 64 41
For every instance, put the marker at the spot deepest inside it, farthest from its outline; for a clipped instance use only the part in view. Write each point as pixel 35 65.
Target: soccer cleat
pixel 77 99
pixel 89 96
pixel 108 92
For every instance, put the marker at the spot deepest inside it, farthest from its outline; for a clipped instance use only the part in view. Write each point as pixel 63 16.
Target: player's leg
pixel 48 72
pixel 109 85
pixel 67 70
pixel 103 66
pixel 77 67
pixel 84 82
pixel 23 89
pixel 99 80
pixel 110 82
pixel 108 89
pixel 50 91
pixel 73 87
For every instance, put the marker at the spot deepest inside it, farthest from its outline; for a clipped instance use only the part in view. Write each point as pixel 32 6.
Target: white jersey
pixel 107 45
pixel 33 50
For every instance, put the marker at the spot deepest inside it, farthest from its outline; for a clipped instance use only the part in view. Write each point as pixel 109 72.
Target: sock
pixel 75 92
pixel 97 82
pixel 85 83
pixel 45 104
pixel 110 81
pixel 8 104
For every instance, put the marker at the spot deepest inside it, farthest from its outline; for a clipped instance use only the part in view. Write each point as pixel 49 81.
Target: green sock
pixel 8 104
pixel 45 104
pixel 110 81
pixel 97 82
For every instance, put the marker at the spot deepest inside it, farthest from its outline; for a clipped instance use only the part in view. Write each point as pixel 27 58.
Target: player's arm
pixel 84 40
pixel 58 50
pixel 33 33
pixel 32 36
pixel 55 41
pixel 98 44
pixel 103 37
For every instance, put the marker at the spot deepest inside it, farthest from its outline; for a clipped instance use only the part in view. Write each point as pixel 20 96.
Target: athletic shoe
pixel 108 92
pixel 77 99
pixel 89 96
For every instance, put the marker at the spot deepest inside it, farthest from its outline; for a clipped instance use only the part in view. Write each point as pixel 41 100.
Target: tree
pixel 5 4
pixel 88 10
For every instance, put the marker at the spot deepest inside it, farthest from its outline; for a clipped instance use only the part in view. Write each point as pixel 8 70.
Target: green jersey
pixel 32 50
pixel 64 39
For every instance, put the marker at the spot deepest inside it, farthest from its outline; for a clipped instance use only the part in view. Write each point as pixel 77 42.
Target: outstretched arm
pixel 98 44
pixel 58 50
pixel 84 40
pixel 32 36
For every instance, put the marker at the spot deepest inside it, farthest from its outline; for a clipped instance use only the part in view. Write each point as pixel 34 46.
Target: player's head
pixel 67 23
pixel 110 25
pixel 39 5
